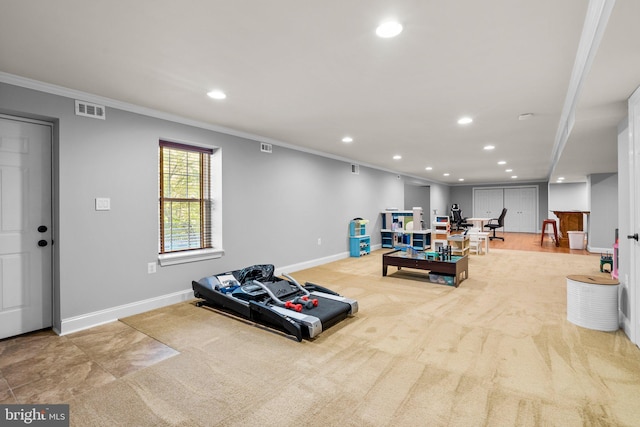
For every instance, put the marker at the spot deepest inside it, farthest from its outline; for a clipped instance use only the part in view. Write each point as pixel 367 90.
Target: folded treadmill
pixel 256 294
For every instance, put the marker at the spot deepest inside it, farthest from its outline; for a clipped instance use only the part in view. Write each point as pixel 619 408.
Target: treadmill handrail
pixel 298 285
pixel 271 294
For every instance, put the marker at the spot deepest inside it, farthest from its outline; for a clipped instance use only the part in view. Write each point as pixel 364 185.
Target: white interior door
pixel 487 202
pixel 633 279
pixel 25 227
pixel 522 205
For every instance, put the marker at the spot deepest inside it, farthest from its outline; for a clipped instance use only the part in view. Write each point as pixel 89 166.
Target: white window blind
pixel 185 198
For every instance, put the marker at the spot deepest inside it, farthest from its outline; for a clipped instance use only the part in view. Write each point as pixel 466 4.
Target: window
pixel 186 207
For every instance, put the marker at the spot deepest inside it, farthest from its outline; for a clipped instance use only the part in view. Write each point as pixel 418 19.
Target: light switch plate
pixel 103 203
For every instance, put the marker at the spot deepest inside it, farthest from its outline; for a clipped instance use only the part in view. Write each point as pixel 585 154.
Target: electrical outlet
pixel 103 203
pixel 151 267
pixel 319 241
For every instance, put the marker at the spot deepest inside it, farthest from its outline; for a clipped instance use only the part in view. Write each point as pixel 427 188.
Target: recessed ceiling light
pixel 428 168
pixel 514 176
pixel 508 170
pixel 525 116
pixel 217 94
pixel 445 174
pixel 347 139
pixel 561 178
pixel 397 157
pixel 389 29
pixel 465 120
pixel 502 162
pixel 460 179
pixel 489 147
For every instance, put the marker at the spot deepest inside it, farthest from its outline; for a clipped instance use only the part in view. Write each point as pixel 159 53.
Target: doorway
pixel 26 252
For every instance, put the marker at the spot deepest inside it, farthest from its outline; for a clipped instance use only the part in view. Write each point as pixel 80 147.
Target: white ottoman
pixel 592 302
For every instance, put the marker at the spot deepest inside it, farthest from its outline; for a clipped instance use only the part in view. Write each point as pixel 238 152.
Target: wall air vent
pixel 87 109
pixel 266 148
pixel 355 169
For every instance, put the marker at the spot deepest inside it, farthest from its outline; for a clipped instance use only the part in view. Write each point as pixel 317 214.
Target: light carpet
pixel 496 351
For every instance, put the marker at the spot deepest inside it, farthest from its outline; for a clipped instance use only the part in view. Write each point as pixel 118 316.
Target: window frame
pixel 215 200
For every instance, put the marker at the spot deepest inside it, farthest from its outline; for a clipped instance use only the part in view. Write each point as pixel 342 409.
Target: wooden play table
pixel 458 267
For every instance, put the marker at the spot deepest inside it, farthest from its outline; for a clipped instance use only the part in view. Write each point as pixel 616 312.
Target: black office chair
pixel 457 219
pixel 491 225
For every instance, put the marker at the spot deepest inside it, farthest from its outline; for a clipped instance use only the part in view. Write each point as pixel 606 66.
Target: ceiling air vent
pixel 266 148
pixel 87 109
pixel 355 169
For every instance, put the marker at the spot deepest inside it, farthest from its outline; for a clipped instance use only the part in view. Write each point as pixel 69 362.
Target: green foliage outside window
pixel 184 198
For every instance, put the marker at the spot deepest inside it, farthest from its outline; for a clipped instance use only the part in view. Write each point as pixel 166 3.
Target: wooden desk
pixel 569 221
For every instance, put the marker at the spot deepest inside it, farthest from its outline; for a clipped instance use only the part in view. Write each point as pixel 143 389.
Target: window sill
pixel 189 256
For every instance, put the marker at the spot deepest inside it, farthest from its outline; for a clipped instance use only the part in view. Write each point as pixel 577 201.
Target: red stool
pixel 555 230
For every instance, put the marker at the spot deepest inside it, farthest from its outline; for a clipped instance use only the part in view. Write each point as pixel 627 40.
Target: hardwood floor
pixel 531 242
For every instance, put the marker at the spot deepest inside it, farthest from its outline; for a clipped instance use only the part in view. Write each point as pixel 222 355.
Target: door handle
pixel 42 243
pixel 634 237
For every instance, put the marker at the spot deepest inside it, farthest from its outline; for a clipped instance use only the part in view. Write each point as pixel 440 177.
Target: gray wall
pixel 440 200
pixel 568 197
pixel 603 219
pixel 275 206
pixel 418 196
pixel 463 196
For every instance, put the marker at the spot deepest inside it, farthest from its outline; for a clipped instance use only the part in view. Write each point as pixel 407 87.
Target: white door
pixel 522 205
pixel 633 279
pixel 25 226
pixel 487 202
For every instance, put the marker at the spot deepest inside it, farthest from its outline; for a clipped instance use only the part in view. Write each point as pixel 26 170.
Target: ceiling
pixel 305 74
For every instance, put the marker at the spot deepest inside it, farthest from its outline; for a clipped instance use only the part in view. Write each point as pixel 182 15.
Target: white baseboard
pixel 601 250
pixel 625 325
pixel 311 263
pixel 316 262
pixel 89 320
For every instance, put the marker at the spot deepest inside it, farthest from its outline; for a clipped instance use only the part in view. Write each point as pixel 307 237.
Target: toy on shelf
pixel 604 260
pixel 444 253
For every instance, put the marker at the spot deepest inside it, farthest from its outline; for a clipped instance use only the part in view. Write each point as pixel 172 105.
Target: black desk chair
pixel 456 218
pixel 491 225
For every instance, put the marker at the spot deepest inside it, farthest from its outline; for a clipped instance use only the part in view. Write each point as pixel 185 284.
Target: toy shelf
pixel 441 230
pixel 459 244
pixel 359 241
pixel 404 228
